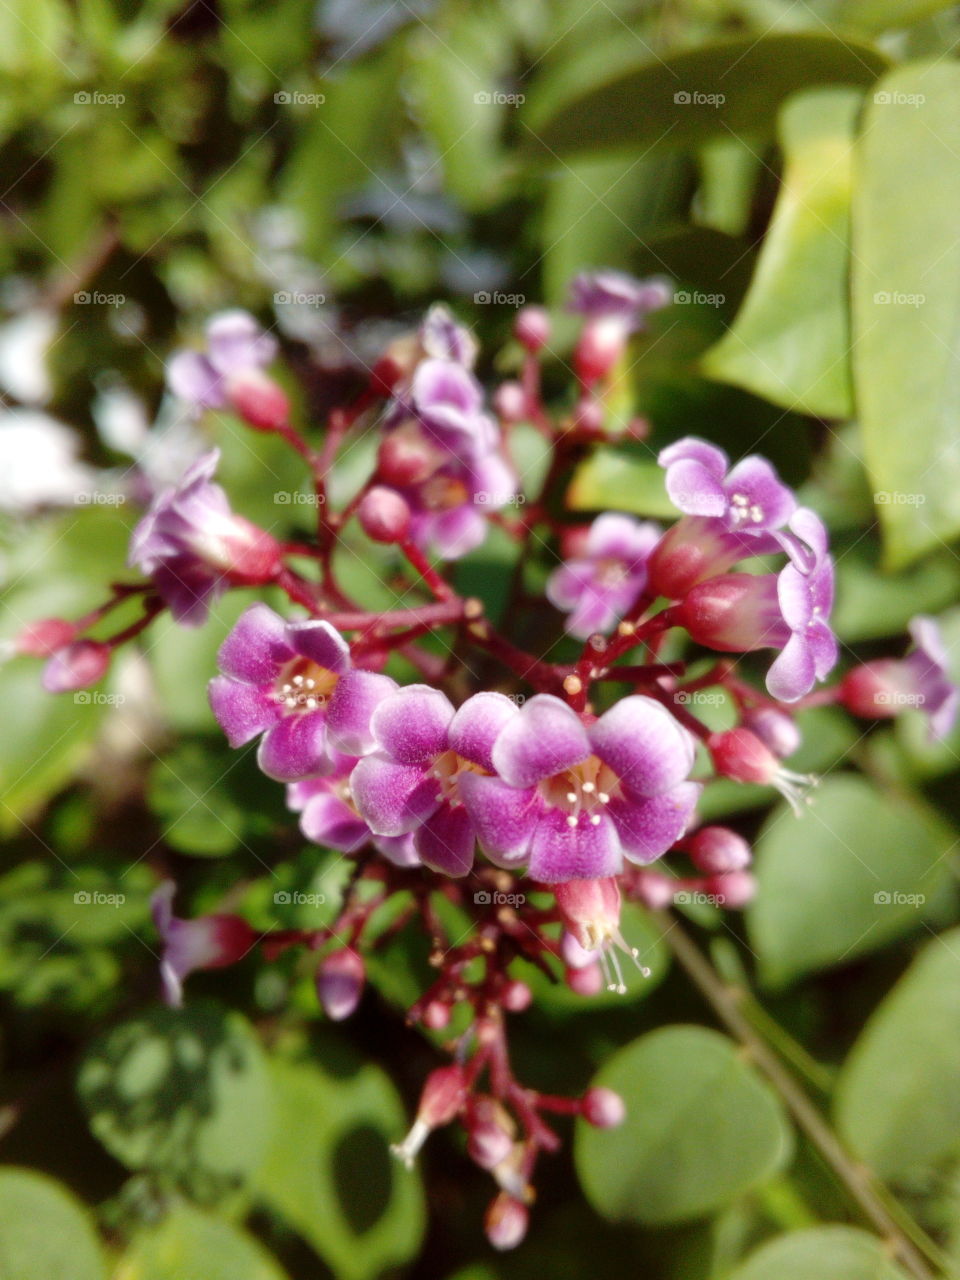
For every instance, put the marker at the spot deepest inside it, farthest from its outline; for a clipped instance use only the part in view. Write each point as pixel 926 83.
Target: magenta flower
pixel 193 546
pixel 570 800
pixel 294 683
pixel 449 510
pixel 329 815
pixel 751 498
pixel 599 586
pixel 209 942
pixel 603 295
pixel 236 348
pixel 413 782
pixel 921 680
pixel 805 594
pixel 447 400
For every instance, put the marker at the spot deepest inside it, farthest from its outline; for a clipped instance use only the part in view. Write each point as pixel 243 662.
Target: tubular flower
pixel 600 585
pixel 209 942
pixel 193 546
pixel 413 782
pixel 570 800
pixel 294 683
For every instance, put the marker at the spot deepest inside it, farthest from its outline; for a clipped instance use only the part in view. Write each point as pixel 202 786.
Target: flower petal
pixel 237 343
pixel 446 841
pixel 793 671
pixel 545 738
pixel 503 817
pixel 755 480
pixel 411 725
pixel 192 377
pixel 692 489
pixel 321 643
pixel 477 725
pixel 647 828
pixel 560 852
pixel 242 710
pixel 257 647
pixel 352 704
pixel 393 798
pixel 643 744
pixel 327 820
pixel 296 747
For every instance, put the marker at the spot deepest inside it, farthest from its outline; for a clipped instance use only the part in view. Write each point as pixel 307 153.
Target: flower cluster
pixel 533 790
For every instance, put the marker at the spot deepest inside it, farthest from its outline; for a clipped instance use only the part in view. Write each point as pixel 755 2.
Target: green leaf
pixel 45 1233
pixel 608 96
pixel 900 1110
pixel 183 1092
pixel 871 604
pixel 906 306
pixel 842 1253
pixel 615 480
pixel 701 1130
pixel 330 1175
pixel 883 15
pixel 189 792
pixel 860 868
pixel 190 1245
pixel 790 341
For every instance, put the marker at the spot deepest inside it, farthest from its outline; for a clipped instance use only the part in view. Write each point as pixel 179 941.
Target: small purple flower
pixel 570 799
pixel 887 686
pixel 329 815
pixel 805 594
pixel 447 400
pixel 192 545
pixel 750 499
pixel 294 683
pixel 449 510
pixel 443 339
pixel 600 585
pixel 426 751
pixel 603 295
pixel 209 942
pixel 236 347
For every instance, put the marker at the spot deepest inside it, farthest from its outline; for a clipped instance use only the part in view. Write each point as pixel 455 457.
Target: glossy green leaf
pixel 611 95
pixel 701 1129
pixel 906 306
pixel 842 1253
pixel 189 1245
pixel 859 868
pixel 182 1092
pixel 330 1174
pixel 45 1233
pixel 883 15
pixel 899 1110
pixel 790 341
pixel 615 480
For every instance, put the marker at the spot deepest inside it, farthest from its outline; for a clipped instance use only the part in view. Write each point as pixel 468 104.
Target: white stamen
pixel 571 820
pixel 290 702
pixel 311 704
pixel 589 788
pixel 572 797
pixel 298 679
pixel 408 1149
pixel 603 797
pixel 595 819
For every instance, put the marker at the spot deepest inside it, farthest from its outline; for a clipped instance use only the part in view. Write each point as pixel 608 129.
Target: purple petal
pixel 393 798
pixel 477 725
pixel 806 524
pixel 296 747
pixel 445 841
pixel 694 490
pixel 328 820
pixel 545 738
pixel 242 710
pixel 257 647
pixel 192 377
pixel 411 725
pixel 189 588
pixel 765 495
pixel 925 634
pixel 321 643
pixel 823 646
pixel 594 612
pixel 398 849
pixel 692 449
pixel 503 817
pixel 646 748
pixel 567 584
pixel 618 537
pixel 352 704
pixel 560 852
pixel 793 671
pixel 647 828
pixel 794 597
pixel 236 343
pixel 440 383
pixel 454 533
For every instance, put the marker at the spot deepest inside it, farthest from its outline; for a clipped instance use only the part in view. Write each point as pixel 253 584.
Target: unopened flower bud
pixel 691 551
pixel 490 1131
pixel 444 1094
pixel 258 400
pixel 718 850
pixel 248 555
pixel 654 889
pixel 506 1221
pixel 44 637
pixel 774 728
pixel 588 980
pixel 600 346
pixel 603 1108
pixel 76 666
pixel 735 613
pixel 734 890
pixel 516 996
pixel 384 514
pixel 436 1015
pixel 740 755
pixel 532 328
pixel 510 402
pixel 406 457
pixel 588 417
pixel 340 981
pixel 868 690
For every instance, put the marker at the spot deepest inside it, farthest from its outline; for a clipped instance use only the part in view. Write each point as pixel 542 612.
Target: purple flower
pixel 236 348
pixel 209 942
pixel 887 686
pixel 426 751
pixel 443 339
pixel 603 295
pixel 805 594
pixel 329 815
pixel 570 800
pixel 294 683
pixel 449 509
pixel 192 545
pixel 750 498
pixel 599 586
pixel 447 400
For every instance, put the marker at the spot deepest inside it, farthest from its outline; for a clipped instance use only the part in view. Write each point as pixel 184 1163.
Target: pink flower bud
pixel 735 613
pixel 734 890
pixel 436 1015
pixel 516 996
pixel 588 417
pixel 740 755
pixel 589 909
pixel 258 400
pixel 510 402
pixel 208 942
pixel 248 555
pixel 76 666
pixel 340 981
pixel 406 457
pixel 691 551
pixel 532 328
pixel 866 690
pixel 587 980
pixel 490 1134
pixel 384 514
pixel 774 728
pixel 44 637
pixel 506 1221
pixel 718 850
pixel 601 345
pixel 654 889
pixel 444 1093
pixel 603 1108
